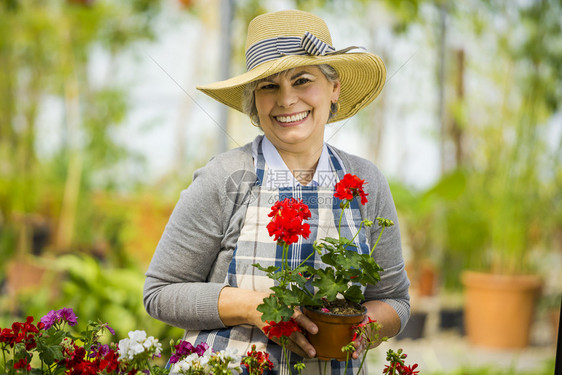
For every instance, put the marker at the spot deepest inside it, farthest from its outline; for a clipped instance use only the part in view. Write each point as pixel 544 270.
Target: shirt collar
pixel 278 174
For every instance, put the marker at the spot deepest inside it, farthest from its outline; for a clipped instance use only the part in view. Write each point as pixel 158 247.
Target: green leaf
pixel 50 354
pixel 273 309
pixel 284 296
pixel 333 241
pixel 327 284
pixel 354 294
pixel 370 270
pixel 330 259
pixel 270 269
pixel 345 242
pixel 52 337
pixel 307 300
pixel 346 260
pixel 298 279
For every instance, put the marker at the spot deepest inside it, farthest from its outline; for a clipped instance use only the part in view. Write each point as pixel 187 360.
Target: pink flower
pixel 185 348
pixel 68 316
pixel 59 316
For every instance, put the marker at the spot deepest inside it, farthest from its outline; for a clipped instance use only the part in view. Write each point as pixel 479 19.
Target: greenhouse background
pixel 101 127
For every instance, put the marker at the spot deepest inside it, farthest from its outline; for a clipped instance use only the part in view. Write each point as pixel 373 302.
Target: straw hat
pixel 291 38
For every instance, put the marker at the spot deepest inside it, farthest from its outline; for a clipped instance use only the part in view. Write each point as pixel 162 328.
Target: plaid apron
pixel 255 246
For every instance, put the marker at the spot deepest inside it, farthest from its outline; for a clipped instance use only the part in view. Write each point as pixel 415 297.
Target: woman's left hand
pixel 387 324
pixel 365 340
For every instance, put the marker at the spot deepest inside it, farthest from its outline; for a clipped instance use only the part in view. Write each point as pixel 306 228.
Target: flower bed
pixel 51 346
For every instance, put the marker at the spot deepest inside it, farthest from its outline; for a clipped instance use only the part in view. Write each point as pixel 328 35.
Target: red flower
pixel 364 324
pixel 24 332
pixel 361 330
pixel 349 187
pixel 278 330
pixel 257 362
pixel 7 336
pixel 22 363
pixel 78 362
pixel 409 370
pixel 397 366
pixel 398 369
pixel 287 224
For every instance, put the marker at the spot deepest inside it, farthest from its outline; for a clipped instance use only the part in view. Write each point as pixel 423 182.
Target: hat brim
pixel 362 77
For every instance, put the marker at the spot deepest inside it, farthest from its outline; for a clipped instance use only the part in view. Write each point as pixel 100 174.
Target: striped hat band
pixel 274 48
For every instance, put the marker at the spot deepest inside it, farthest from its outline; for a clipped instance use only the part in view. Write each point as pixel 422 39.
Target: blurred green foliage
pixel 97 291
pixel 500 208
pixel 45 50
pixel 59 200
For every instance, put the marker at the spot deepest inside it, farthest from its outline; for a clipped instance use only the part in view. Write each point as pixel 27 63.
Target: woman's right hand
pixel 298 343
pixel 239 306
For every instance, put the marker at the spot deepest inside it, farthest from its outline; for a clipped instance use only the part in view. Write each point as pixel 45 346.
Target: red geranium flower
pixel 287 221
pixel 360 328
pixel 349 187
pixel 21 332
pixel 257 362
pixel 410 370
pixel 278 330
pixel 22 364
pixel 397 368
pixel 7 336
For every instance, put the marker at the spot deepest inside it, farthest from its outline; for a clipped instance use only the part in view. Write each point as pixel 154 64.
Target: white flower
pixel 231 355
pixel 191 362
pixel 152 345
pixel 182 367
pixel 123 351
pixel 193 357
pixel 204 360
pixel 138 336
pixel 129 348
pixel 138 343
pixel 208 353
pixel 135 349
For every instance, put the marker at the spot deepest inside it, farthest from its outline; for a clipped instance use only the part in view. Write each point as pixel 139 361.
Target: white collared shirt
pixel 277 174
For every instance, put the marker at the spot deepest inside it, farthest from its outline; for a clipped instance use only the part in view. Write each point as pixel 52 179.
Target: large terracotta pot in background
pixel 499 309
pixel 334 332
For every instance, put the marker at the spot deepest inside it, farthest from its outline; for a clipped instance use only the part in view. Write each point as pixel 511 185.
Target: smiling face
pixel 293 108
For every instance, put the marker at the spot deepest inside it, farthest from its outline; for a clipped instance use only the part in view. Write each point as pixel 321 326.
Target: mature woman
pixel 201 276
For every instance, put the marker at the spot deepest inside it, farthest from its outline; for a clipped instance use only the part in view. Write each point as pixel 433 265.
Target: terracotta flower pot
pixel 499 308
pixel 334 332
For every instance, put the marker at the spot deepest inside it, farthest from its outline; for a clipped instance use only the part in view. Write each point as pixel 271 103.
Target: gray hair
pixel 249 102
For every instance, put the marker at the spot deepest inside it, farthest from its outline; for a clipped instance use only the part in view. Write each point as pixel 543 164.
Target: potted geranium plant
pixel 327 293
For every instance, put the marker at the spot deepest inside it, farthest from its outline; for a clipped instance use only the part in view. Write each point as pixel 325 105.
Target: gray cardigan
pixel 189 266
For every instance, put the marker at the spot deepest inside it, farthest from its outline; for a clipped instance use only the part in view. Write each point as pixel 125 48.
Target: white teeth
pixel 293 118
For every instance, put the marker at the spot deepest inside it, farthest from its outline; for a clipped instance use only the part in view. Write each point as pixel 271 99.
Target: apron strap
pixel 336 165
pixel 260 165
